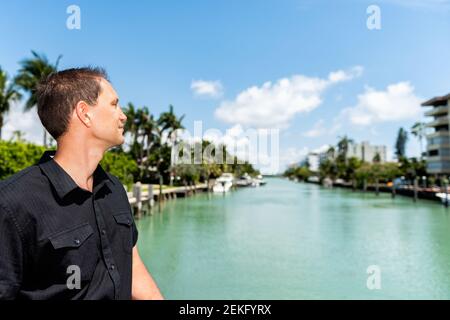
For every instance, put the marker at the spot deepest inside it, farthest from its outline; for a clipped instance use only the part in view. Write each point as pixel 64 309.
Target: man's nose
pixel 123 116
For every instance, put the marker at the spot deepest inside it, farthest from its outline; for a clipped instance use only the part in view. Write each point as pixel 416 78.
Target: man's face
pixel 107 118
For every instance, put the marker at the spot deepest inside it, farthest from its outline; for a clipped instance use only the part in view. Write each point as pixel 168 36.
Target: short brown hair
pixel 58 94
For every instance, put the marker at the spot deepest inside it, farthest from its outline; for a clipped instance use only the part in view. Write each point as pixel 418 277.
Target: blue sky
pixel 156 52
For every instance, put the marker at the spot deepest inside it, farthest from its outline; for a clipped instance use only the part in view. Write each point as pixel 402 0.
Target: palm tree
pixel 146 136
pixel 343 145
pixel 169 123
pixel 418 130
pixel 31 72
pixel 353 165
pixel 131 125
pixel 400 144
pixel 149 131
pixel 376 158
pixel 328 169
pixel 331 153
pixel 18 136
pixel 8 94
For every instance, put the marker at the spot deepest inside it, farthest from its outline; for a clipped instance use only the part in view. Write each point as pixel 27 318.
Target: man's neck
pixel 80 162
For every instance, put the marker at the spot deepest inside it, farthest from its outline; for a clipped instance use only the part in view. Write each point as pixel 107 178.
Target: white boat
pixel 223 183
pixel 445 197
pixel 314 179
pixel 244 181
pixel 259 181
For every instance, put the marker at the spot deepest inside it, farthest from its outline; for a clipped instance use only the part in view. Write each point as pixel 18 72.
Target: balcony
pixel 442 133
pixel 438 121
pixel 443 159
pixel 438 142
pixel 434 146
pixel 438 167
pixel 442 110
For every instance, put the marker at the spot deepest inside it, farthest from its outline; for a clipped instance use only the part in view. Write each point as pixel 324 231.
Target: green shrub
pixel 16 156
pixel 121 165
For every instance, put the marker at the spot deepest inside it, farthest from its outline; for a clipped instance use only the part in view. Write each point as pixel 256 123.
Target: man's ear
pixel 83 114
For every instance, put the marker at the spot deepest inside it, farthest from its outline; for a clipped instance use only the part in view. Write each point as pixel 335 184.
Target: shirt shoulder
pixel 117 183
pixel 21 187
pixel 17 193
pixel 21 178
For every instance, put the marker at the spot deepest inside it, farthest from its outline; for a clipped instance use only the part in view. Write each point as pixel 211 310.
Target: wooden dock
pixel 148 194
pixel 413 191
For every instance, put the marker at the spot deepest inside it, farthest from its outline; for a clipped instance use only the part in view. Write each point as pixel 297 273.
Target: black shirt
pixel 48 225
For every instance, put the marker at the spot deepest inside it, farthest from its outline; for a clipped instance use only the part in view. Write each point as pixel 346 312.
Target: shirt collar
pixel 61 180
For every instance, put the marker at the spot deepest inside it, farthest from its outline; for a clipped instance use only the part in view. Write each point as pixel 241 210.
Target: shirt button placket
pixel 107 254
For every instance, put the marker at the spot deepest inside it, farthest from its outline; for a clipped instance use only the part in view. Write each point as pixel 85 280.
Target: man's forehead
pixel 108 89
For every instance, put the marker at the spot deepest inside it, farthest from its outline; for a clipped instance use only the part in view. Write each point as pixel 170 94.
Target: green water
pixel 297 241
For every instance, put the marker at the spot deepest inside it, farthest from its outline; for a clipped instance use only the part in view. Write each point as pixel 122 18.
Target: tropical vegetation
pixel 338 166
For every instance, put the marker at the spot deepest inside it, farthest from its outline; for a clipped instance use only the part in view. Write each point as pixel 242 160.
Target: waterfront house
pixel 438 140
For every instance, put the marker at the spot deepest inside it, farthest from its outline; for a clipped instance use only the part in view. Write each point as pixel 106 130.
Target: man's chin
pixel 117 143
pixel 120 142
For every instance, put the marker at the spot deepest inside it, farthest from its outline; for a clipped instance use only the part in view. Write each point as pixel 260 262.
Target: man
pixel 66 227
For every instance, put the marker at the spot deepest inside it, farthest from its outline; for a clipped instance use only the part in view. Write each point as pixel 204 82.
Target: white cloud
pixel 27 122
pixel 233 138
pixel 260 147
pixel 317 130
pixel 253 145
pixel 291 156
pixel 341 75
pixel 321 149
pixel 240 142
pixel 397 102
pixel 321 128
pixel 212 89
pixel 273 105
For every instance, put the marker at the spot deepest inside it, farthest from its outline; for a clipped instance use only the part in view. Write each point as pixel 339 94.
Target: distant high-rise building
pixel 314 158
pixel 366 152
pixel 438 141
pixel 313 161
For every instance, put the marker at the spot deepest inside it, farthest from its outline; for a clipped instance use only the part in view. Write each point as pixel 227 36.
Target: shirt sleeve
pixel 11 256
pixel 135 234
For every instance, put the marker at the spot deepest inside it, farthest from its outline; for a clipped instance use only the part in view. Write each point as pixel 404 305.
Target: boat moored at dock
pixel 223 183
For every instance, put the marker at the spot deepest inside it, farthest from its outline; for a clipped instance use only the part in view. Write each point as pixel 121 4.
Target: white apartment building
pixel 366 152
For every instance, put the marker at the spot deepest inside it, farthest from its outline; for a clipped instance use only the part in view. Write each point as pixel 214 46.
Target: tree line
pixel 337 165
